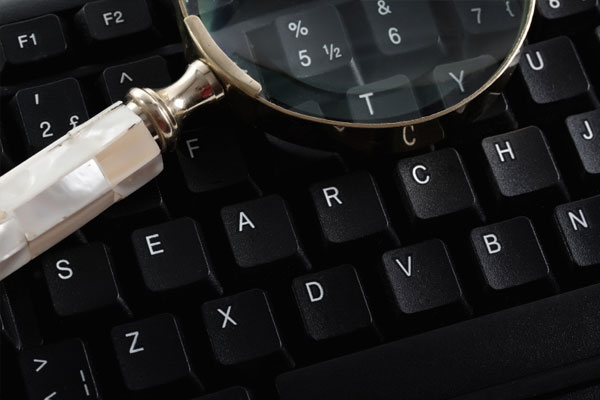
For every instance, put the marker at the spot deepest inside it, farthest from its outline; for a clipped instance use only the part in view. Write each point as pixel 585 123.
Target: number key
pixel 49 111
pixel 314 42
pixel 556 9
pixel 401 26
pixel 481 17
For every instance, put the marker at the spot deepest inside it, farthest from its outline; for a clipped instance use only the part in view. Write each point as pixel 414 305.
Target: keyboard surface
pixel 254 268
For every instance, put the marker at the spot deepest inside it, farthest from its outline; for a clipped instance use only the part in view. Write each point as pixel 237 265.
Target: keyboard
pixel 255 268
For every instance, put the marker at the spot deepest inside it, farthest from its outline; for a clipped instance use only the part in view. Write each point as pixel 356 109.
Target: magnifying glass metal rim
pixel 233 76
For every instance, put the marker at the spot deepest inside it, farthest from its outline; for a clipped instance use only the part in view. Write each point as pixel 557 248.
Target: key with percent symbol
pixel 314 42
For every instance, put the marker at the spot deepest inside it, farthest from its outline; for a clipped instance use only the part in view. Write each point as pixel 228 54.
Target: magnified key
pixel 314 42
pixel 401 26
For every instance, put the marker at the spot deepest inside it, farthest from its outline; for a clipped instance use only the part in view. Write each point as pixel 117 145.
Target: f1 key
pixel 59 371
pixel 33 40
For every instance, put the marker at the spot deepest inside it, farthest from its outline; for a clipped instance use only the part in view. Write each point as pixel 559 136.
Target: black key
pixel 522 168
pixel 482 356
pixel 421 278
pixel 579 225
pixel 173 255
pixel 242 330
pixel 18 321
pixel 497 118
pixel 145 204
pixel 211 161
pixel 261 232
pixel 151 353
pixel 111 19
pixel 235 393
pixel 49 111
pixel 5 162
pixel 15 10
pixel 401 27
pixel 82 279
pixel 383 99
pixel 350 208
pixel 481 17
pixel 559 10
pixel 509 255
pixel 436 185
pixel 584 130
pixel 553 73
pixel 58 371
pixel 33 40
pixel 332 303
pixel 149 72
pixel 314 42
pixel 456 81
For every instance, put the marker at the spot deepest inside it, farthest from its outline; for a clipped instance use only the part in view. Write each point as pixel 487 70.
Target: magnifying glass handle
pixel 70 182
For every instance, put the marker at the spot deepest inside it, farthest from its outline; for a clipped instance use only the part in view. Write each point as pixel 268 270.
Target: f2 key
pixel 110 19
pixel 58 371
pixel 49 111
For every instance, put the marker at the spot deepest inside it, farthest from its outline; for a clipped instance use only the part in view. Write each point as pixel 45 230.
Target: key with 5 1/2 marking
pixel 314 42
pixel 49 111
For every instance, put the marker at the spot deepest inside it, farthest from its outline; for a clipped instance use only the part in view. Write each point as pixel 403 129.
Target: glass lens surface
pixel 366 61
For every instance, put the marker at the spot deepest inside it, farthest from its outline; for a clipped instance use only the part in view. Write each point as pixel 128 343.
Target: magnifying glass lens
pixel 369 61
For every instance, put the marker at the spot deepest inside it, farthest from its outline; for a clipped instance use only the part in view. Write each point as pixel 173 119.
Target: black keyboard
pixel 253 268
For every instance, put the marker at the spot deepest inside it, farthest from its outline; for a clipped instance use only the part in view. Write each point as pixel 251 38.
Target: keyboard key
pixel 332 303
pixel 14 10
pixel 314 42
pixel 150 72
pixel 497 118
pixel 47 112
pixel 111 19
pixel 82 279
pixel 482 357
pixel 456 81
pixel 401 27
pixel 58 371
pixel 421 278
pixel 483 17
pixel 557 10
pixel 235 393
pixel 151 353
pixel 579 226
pixel 584 130
pixel 33 40
pixel 553 72
pixel 436 185
pixel 18 321
pixel 509 254
pixel 242 330
pixel 261 232
pixel 522 168
pixel 383 99
pixel 349 208
pixel 211 162
pixel 173 255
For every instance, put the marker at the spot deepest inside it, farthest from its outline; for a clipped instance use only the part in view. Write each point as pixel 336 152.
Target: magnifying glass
pixel 358 71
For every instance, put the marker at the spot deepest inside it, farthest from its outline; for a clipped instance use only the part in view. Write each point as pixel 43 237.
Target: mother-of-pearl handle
pixel 64 186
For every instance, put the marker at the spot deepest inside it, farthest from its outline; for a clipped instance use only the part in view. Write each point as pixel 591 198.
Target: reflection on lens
pixel 366 61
